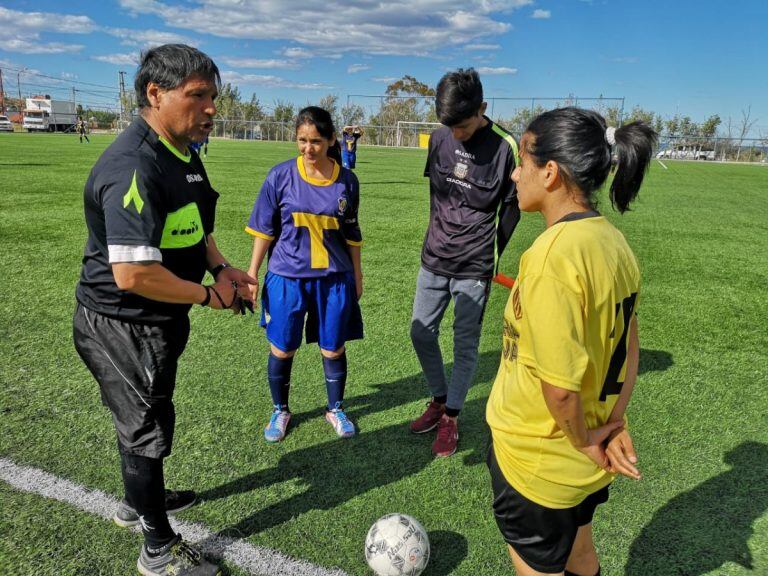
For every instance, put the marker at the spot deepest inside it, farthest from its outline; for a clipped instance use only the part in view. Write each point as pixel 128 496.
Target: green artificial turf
pixel 698 416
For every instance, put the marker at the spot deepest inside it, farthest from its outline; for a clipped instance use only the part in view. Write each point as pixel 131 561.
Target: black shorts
pixel 542 537
pixel 135 366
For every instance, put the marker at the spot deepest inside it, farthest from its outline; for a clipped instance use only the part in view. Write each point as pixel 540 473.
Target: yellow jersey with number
pixel 566 323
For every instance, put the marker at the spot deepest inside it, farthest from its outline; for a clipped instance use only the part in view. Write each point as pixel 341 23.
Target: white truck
pixel 42 114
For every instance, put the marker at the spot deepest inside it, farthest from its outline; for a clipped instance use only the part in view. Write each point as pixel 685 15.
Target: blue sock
pixel 335 379
pixel 279 376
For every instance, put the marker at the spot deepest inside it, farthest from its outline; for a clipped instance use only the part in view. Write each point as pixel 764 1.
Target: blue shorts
pixel 348 159
pixel 329 304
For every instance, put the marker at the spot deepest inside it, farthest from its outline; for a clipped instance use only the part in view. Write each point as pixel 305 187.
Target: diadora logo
pixel 464 154
pixel 193 227
pixel 194 178
pixel 459 182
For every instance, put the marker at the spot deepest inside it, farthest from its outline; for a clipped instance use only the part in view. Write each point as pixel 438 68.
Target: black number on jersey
pixel 611 385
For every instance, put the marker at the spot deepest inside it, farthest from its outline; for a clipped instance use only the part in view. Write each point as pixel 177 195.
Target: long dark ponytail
pixel 581 144
pixel 321 119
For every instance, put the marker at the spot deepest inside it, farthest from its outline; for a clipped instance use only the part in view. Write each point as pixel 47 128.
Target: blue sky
pixel 677 56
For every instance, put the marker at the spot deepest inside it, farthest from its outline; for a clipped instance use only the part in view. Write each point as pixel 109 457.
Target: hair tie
pixel 610 135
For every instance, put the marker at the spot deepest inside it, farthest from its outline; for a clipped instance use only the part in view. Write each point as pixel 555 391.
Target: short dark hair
pixel 322 120
pixel 576 139
pixel 459 96
pixel 169 66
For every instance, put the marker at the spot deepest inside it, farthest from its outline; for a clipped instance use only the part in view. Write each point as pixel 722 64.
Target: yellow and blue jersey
pixel 310 222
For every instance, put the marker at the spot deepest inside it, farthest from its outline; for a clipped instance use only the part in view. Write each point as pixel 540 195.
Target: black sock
pixel 279 377
pixel 452 412
pixel 145 492
pixel 335 370
pixel 440 399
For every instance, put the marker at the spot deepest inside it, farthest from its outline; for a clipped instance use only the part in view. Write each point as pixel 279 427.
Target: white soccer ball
pixel 397 545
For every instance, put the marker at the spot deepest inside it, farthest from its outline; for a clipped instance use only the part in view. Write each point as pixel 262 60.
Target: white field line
pixel 255 560
pixel 662 164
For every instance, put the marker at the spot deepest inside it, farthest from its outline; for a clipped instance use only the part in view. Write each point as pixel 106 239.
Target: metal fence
pixel 719 148
pixel 406 134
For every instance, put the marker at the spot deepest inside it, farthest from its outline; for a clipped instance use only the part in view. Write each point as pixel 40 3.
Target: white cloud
pixel 355 68
pixel 27 47
pixel 35 22
pixel 131 59
pixel 149 38
pixel 20 31
pixel 297 53
pixel 478 47
pixel 268 81
pixel 540 14
pixel 500 71
pixel 258 63
pixel 384 28
pixel 385 79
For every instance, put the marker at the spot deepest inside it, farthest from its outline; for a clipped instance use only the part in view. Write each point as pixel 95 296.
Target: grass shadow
pixel 700 530
pixel 446 551
pixel 654 360
pixel 337 470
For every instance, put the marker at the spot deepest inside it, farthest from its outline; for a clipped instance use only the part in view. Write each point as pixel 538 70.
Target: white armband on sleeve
pixel 120 253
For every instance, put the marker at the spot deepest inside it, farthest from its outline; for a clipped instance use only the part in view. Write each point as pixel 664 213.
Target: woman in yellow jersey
pixel 570 345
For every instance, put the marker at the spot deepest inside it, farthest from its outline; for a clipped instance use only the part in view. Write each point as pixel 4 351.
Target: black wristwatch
pixel 218 268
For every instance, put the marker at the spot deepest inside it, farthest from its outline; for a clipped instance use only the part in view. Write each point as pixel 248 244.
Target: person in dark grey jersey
pixel 149 208
pixel 473 212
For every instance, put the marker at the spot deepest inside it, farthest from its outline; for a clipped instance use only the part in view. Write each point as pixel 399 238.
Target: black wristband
pixel 218 268
pixel 207 296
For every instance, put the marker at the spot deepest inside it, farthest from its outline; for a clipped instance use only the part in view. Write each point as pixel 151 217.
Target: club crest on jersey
pixel 460 170
pixel 342 205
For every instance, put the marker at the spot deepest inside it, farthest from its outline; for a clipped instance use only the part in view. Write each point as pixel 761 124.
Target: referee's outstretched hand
pixel 224 295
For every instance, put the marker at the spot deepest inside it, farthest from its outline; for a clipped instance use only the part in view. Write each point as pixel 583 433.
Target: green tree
pixel 253 110
pixel 284 112
pixel 639 114
pixel 330 102
pixel 406 100
pixel 352 114
pixel 709 126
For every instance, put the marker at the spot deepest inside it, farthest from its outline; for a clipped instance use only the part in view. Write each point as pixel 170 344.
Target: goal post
pixel 414 134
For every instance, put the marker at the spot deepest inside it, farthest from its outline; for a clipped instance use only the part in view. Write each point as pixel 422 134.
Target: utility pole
pixel 2 94
pixel 122 97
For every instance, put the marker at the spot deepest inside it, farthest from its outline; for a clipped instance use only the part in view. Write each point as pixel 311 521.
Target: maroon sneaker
pixel 429 419
pixel 447 437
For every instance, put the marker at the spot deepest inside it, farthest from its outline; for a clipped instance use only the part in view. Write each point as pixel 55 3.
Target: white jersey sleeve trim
pixel 119 253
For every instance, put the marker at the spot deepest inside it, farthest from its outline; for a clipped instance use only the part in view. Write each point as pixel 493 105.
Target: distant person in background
pixel 82 130
pixel 150 212
pixel 349 137
pixel 305 217
pixel 197 146
pixel 570 345
pixel 472 214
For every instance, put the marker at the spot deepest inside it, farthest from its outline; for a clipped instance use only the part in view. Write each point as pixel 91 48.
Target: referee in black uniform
pixel 149 208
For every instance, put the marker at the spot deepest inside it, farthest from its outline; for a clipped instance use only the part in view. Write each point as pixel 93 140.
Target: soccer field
pixel 699 414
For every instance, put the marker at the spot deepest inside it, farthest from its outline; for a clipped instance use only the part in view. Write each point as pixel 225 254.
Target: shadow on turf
pixel 339 470
pixel 654 360
pixel 700 530
pixel 446 551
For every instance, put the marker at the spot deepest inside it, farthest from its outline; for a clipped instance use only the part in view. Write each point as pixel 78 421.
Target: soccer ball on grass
pixel 397 545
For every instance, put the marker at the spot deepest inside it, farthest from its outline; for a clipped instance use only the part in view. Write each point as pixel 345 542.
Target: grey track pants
pixel 433 294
